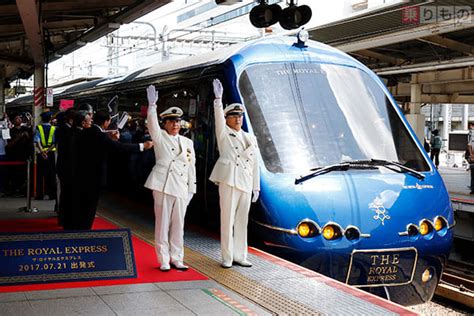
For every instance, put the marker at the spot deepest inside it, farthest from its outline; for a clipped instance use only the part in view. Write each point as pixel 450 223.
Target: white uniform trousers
pixel 169 227
pixel 235 206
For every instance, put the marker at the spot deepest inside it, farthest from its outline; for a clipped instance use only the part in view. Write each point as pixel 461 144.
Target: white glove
pixel 218 89
pixel 152 95
pixel 256 193
pixel 190 196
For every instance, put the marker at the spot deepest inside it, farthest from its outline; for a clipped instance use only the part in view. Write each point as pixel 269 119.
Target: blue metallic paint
pixel 344 197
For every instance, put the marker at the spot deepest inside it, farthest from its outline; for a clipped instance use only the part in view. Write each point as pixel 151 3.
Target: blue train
pixel 346 188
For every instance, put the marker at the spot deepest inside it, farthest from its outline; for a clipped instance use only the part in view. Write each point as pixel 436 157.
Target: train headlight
pixel 307 229
pixel 352 233
pixel 412 230
pixel 425 228
pixel 331 232
pixel 426 275
pixel 328 232
pixel 439 224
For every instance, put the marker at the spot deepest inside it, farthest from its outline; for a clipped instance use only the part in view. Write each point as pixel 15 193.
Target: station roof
pixel 36 32
pixel 397 42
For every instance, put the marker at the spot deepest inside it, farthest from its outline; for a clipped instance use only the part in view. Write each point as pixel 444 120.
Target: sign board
pixel 49 97
pixel 66 256
pixel 65 104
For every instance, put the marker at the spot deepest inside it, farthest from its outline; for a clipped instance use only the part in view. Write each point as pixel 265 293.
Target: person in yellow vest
pixel 45 158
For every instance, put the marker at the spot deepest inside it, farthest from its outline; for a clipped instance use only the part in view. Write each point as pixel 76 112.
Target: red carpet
pixel 145 259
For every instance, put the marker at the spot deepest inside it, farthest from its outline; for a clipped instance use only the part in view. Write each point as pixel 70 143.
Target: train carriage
pixel 346 188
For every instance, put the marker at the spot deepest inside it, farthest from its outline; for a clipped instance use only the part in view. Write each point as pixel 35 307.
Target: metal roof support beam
pixel 449 43
pixel 379 57
pixel 429 66
pixel 404 36
pixel 16 61
pixel 446 76
pixel 140 10
pixel 29 16
pixel 406 89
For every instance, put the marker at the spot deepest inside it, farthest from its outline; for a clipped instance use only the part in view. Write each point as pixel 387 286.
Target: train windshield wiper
pixel 389 164
pixel 343 166
pixel 360 164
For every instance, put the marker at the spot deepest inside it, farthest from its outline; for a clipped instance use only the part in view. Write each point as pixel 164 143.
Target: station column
pixel 465 117
pixel 38 93
pixel 415 118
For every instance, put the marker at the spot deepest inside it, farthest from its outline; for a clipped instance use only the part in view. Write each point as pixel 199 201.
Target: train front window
pixel 314 115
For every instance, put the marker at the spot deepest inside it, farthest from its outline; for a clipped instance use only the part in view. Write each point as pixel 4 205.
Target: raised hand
pixel 152 95
pixel 218 89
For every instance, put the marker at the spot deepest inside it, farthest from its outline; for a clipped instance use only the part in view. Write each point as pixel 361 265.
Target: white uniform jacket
pixel 174 172
pixel 237 165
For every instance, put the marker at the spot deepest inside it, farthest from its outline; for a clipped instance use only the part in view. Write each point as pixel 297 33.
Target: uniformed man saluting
pixel 173 181
pixel 237 174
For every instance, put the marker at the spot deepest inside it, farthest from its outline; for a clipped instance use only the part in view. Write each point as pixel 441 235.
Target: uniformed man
pixel 45 160
pixel 237 174
pixel 173 181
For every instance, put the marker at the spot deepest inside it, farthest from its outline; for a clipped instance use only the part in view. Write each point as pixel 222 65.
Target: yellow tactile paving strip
pixel 264 296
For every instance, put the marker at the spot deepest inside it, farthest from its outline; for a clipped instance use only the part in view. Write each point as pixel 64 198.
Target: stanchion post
pixel 28 207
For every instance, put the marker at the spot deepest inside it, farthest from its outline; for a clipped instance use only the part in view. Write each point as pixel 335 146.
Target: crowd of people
pixel 16 147
pixel 72 150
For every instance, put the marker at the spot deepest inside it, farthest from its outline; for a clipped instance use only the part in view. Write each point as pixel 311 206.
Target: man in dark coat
pixel 94 146
pixel 64 162
pixel 19 148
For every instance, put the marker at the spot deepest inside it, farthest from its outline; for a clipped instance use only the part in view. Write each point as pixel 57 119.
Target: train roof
pixel 271 44
pixel 267 49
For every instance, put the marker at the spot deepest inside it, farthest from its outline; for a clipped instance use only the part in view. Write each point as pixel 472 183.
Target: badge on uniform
pixel 188 154
pixel 233 135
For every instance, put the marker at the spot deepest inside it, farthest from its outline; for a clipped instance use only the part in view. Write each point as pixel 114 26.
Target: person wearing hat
pixel 45 144
pixel 237 174
pixel 173 181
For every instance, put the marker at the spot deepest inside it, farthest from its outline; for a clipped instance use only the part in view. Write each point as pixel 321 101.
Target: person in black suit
pixel 82 120
pixel 93 147
pixel 63 161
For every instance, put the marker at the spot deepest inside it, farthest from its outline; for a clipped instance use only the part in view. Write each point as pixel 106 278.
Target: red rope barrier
pixel 12 163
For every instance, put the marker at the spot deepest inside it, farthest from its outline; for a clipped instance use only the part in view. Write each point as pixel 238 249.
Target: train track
pixel 457 283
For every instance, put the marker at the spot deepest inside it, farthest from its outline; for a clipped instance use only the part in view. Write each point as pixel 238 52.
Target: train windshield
pixel 313 115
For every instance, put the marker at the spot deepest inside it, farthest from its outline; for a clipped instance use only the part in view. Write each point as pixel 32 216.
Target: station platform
pixel 271 286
